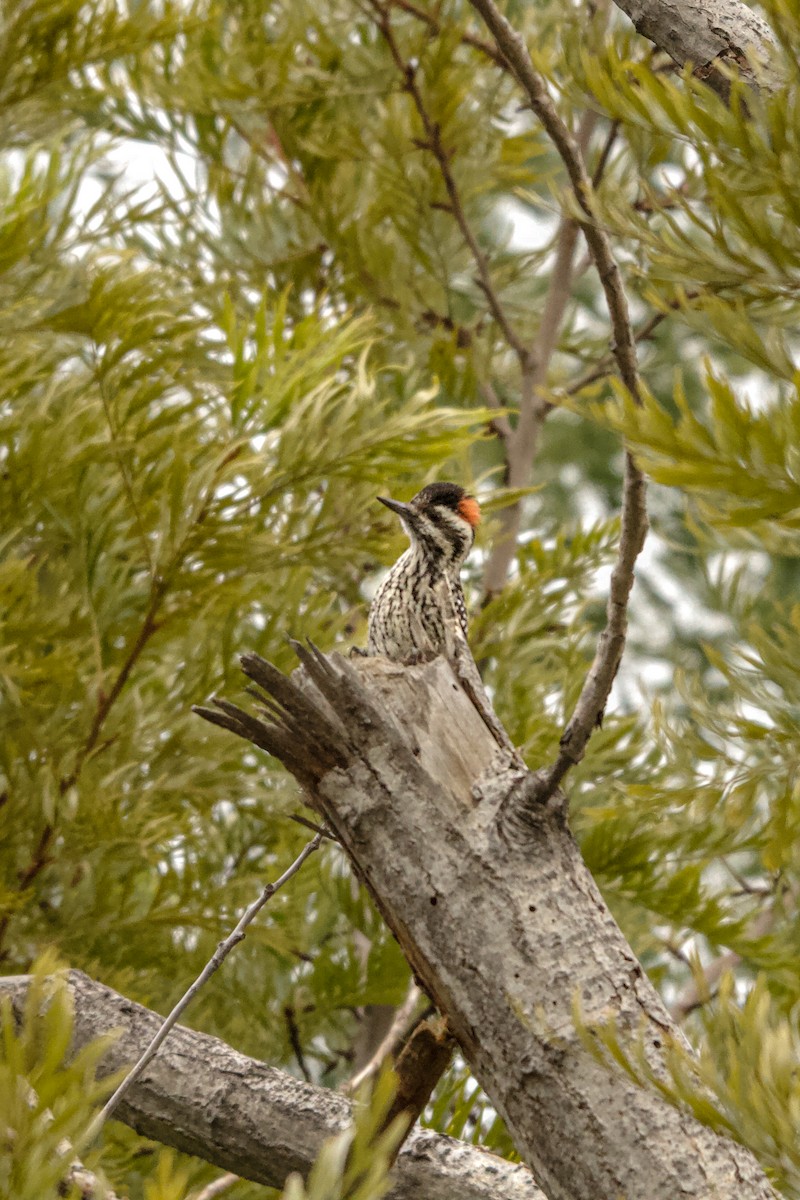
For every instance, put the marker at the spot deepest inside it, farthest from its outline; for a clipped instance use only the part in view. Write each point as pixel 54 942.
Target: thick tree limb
pixel 201 1096
pixel 487 893
pixel 714 36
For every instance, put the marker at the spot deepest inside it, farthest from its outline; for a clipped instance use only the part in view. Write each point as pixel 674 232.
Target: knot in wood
pixel 531 809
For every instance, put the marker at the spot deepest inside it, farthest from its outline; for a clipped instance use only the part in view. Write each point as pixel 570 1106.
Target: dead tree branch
pixel 215 962
pixel 202 1097
pixel 597 685
pixel 487 894
pixel 433 142
pixel 217 1187
pixel 513 47
pixel 87 1185
pixel 391 1043
pixel 715 36
pixel 523 443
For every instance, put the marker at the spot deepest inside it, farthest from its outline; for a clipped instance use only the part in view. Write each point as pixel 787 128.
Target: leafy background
pixel 236 306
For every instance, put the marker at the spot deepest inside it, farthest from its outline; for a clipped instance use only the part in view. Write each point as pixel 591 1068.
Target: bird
pixel 408 618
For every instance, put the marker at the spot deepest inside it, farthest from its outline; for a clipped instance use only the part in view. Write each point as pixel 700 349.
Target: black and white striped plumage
pixel 408 617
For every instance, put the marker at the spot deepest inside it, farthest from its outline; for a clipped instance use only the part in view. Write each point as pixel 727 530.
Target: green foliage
pixel 542 613
pixel 354 1165
pixel 743 1080
pixel 236 306
pixel 737 462
pixel 462 1110
pixel 47 1097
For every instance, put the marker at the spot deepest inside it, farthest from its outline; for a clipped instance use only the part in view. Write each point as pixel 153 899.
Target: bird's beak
pixel 402 510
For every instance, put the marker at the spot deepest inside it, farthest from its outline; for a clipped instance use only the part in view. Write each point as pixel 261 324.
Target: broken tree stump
pixel 504 927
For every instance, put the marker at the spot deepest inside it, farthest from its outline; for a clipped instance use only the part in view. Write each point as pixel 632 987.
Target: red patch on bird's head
pixel 470 510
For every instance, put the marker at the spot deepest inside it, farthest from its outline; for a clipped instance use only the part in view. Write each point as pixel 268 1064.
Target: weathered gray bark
pixel 201 1096
pixel 489 897
pixel 709 34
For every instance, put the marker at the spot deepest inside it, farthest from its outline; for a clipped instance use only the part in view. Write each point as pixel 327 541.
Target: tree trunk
pixel 503 925
pixel 201 1096
pixel 715 36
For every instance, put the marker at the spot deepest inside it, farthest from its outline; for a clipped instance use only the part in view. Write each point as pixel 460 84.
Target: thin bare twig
pixel 499 424
pixel 217 1187
pixel 391 1042
pixel 746 887
pixel 523 444
pixel 514 50
pixel 433 23
pixel 597 685
pixel 27 875
pixel 107 700
pixel 294 1040
pixel 76 1176
pixel 313 826
pixel 433 142
pixel 87 1184
pixel 605 154
pixel 214 963
pixel 605 365
pixel 701 989
pixel 696 993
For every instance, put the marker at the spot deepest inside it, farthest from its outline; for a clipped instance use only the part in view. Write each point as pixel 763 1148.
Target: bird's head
pixel 440 521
